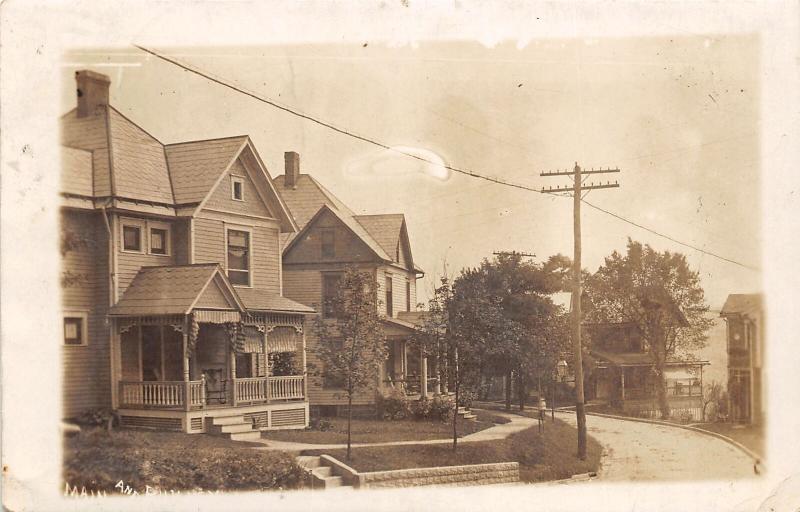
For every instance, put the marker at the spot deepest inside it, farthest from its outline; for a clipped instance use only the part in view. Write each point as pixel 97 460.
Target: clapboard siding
pixel 399 280
pixel 305 287
pixel 129 263
pixel 90 133
pixel 86 369
pixel 209 247
pixel 180 241
pixel 221 198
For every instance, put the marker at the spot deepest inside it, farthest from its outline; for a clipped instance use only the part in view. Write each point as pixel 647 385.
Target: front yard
pixel 378 431
pixel 546 456
pixel 169 461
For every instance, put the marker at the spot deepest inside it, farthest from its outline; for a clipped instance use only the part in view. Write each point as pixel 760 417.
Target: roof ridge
pixel 207 140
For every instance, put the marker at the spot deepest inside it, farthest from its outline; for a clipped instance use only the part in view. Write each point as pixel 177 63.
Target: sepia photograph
pixel 324 270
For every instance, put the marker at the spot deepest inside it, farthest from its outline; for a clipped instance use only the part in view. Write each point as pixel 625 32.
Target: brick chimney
pixel 92 91
pixel 292 161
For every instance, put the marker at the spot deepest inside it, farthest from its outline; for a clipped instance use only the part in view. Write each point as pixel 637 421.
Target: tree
pixel 712 395
pixel 660 296
pixel 352 346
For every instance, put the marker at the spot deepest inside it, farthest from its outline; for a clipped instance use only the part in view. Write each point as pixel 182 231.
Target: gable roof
pixel 196 166
pixel 173 290
pixel 742 304
pixel 385 229
pixel 350 223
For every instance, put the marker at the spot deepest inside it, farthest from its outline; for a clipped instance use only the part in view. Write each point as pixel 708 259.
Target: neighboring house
pixel 173 311
pixel 332 237
pixel 623 373
pixel 744 316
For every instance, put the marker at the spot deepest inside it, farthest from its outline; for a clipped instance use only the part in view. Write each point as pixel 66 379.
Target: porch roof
pixel 259 300
pixel 637 359
pixel 176 290
pixel 397 327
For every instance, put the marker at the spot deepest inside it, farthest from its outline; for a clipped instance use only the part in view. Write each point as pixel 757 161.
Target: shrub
pixel 94 417
pixel 393 405
pixel 98 460
pixel 442 408
pixel 465 398
pixel 320 424
pixel 421 408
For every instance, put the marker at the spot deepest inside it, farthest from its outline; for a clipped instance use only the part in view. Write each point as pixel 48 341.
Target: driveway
pixel 644 451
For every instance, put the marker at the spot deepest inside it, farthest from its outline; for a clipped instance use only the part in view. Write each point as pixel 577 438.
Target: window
pixel 330 286
pixel 239 257
pixel 326 241
pixel 158 241
pixel 408 295
pixel 131 238
pixel 75 329
pixel 237 188
pixel 389 306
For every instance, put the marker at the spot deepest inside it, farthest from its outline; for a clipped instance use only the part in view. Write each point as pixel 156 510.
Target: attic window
pixel 237 188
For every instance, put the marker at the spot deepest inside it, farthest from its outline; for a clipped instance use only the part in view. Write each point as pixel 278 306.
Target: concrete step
pixel 469 416
pixel 228 420
pixel 322 472
pixel 309 461
pixel 333 481
pixel 253 435
pixel 234 428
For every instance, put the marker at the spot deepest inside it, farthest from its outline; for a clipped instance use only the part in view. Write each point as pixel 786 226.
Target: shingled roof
pixel 172 290
pixel 742 304
pixel 385 229
pixel 196 166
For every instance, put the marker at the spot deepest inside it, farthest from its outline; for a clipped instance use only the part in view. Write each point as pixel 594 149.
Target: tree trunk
pixel 455 418
pixel 661 391
pixel 349 421
pixel 521 391
pixel 508 390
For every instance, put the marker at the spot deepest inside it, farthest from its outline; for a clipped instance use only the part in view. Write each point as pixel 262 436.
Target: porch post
pixel 266 363
pixel 423 372
pixel 233 376
pixel 622 373
pixel 187 398
pixel 116 358
pixel 305 363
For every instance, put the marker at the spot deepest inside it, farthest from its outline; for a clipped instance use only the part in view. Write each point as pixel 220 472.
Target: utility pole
pixel 576 190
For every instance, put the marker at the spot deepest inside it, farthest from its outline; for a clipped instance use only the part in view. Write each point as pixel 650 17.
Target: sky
pixel 678 115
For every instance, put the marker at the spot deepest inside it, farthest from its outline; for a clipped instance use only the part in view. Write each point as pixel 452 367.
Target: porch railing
pixel 164 394
pixel 250 389
pixel 286 388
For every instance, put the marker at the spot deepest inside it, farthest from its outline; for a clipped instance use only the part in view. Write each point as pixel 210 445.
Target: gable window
pixel 389 305
pixel 132 237
pixel 327 241
pixel 239 257
pixel 159 238
pixel 408 295
pixel 330 286
pixel 237 188
pixel 75 329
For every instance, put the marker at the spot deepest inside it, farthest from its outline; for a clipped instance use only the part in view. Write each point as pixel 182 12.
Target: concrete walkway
pixel 516 424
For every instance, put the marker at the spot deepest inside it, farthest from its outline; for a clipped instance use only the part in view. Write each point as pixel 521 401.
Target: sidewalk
pixel 517 423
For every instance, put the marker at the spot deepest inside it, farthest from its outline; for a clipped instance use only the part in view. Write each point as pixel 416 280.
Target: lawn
pixel 547 456
pixel 169 461
pixel 379 431
pixel 751 436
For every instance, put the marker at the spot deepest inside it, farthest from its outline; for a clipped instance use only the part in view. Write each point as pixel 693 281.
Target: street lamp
pixel 559 374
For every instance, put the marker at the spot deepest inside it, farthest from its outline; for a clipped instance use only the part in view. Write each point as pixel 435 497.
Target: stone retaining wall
pixel 477 474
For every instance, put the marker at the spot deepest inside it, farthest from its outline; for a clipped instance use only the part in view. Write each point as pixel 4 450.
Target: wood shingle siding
pixel 347 246
pixel 86 369
pixel 221 197
pixel 89 133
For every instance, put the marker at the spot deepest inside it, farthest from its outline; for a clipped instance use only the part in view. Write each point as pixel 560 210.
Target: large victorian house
pixel 330 238
pixel 173 308
pixel 744 319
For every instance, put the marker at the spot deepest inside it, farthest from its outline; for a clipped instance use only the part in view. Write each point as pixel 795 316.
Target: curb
pixel 756 458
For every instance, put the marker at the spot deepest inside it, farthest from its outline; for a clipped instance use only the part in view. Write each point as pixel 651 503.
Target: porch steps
pixel 465 413
pixel 236 428
pixel 321 475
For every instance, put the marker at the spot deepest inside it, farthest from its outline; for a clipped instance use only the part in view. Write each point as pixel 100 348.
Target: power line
pixel 387 147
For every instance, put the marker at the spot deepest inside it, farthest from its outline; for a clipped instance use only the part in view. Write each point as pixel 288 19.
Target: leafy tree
pixel 661 296
pixel 352 346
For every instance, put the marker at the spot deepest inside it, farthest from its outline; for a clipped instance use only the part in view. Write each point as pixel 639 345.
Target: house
pixel 173 311
pixel 331 237
pixel 744 319
pixel 624 376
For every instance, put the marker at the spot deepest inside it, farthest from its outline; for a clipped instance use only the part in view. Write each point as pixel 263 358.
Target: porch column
pixel 116 363
pixel 233 376
pixel 305 363
pixel 423 375
pixel 622 373
pixel 187 398
pixel 264 335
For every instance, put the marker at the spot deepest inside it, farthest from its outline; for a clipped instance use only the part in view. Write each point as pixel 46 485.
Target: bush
pixel 94 417
pixel 393 405
pixel 465 398
pixel 439 408
pixel 320 425
pixel 98 460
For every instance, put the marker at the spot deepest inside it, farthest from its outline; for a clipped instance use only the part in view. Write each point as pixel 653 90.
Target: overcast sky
pixel 679 116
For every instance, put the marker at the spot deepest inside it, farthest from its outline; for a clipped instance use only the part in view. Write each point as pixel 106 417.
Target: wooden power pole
pixel 577 190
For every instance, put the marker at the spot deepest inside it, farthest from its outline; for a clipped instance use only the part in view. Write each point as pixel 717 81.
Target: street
pixel 645 451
